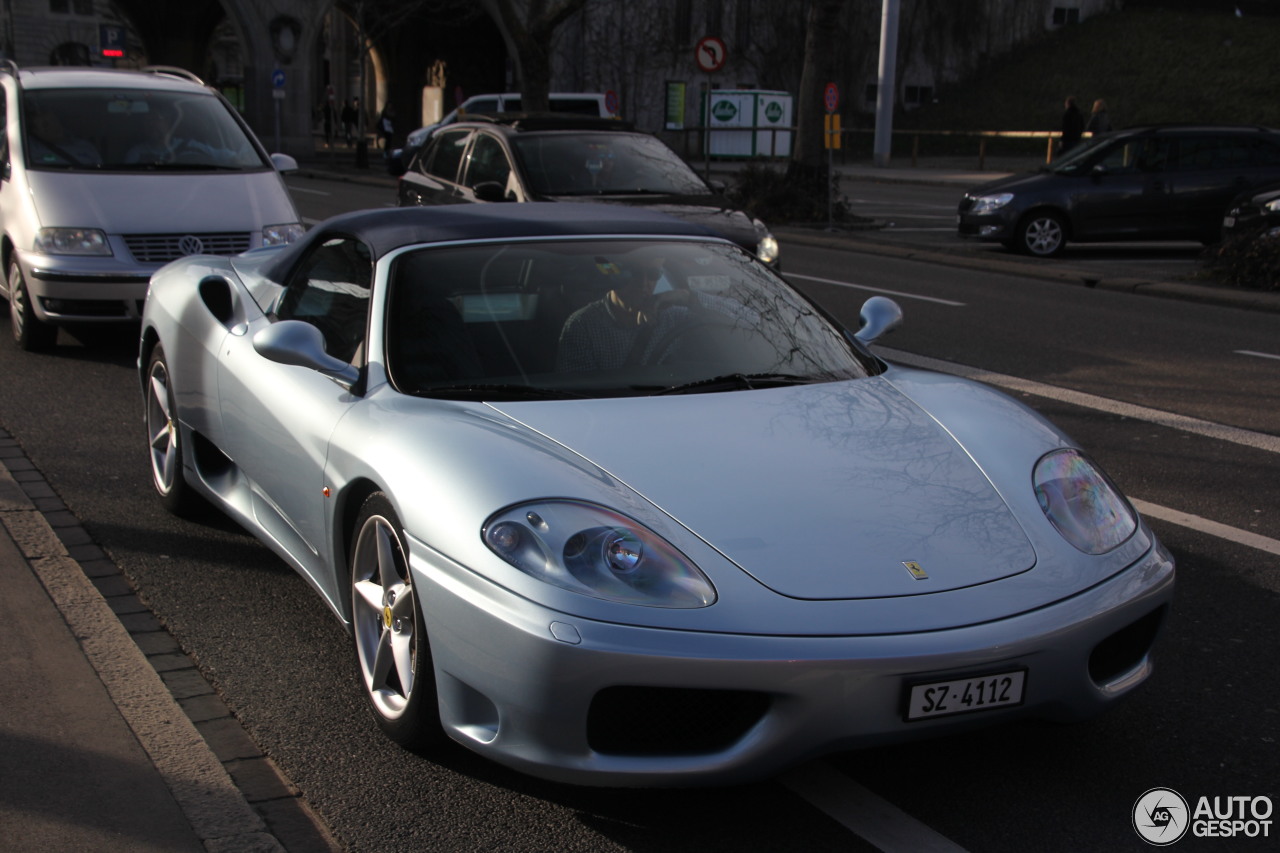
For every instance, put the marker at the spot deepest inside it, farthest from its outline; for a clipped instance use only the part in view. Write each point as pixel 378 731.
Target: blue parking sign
pixel 111 38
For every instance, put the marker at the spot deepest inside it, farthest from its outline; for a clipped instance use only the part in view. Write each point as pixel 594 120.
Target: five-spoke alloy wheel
pixel 391 646
pixel 163 438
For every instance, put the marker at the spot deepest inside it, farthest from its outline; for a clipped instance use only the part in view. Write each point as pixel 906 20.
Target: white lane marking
pixel 1257 354
pixel 871 818
pixel 875 289
pixel 305 190
pixel 1204 525
pixel 1247 438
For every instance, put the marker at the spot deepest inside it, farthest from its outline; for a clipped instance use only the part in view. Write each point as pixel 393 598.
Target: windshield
pixel 133 130
pixel 1080 156
pixel 605 163
pixel 602 318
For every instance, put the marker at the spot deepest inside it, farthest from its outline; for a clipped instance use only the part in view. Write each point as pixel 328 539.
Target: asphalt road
pixel 1206 725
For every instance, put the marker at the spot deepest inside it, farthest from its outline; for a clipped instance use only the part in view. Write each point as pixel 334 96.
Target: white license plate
pixel 965 695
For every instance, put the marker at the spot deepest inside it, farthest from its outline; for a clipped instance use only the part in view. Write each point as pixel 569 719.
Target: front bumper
pixel 68 288
pixel 984 226
pixel 588 702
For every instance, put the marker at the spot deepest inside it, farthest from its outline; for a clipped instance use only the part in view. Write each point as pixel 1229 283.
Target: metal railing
pixel 955 143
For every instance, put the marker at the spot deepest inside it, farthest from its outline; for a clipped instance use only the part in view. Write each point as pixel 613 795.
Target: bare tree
pixel 527 27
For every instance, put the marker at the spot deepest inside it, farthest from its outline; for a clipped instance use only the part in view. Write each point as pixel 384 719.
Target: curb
pixel 233 796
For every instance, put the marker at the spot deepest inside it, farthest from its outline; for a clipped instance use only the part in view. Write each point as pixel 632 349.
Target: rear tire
pixel 30 333
pixel 1042 235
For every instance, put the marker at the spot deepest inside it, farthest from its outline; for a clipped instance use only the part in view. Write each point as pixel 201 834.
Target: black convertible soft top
pixel 387 230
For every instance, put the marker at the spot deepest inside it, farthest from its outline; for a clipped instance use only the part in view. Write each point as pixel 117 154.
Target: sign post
pixel 831 141
pixel 710 55
pixel 277 95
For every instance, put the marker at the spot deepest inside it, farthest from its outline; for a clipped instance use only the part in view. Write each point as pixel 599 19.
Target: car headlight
pixel 1272 206
pixel 988 203
pixel 597 552
pixel 72 241
pixel 1081 502
pixel 767 248
pixel 278 235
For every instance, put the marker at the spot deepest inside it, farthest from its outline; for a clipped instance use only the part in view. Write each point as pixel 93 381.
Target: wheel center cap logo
pixel 190 245
pixel 386 617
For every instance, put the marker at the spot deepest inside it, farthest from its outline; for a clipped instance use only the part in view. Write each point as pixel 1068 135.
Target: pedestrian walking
pixel 1099 121
pixel 326 116
pixel 349 115
pixel 1072 126
pixel 387 126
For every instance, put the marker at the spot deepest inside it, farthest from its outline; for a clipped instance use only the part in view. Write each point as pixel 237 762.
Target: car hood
pixel 707 211
pixel 1013 183
pixel 125 203
pixel 819 492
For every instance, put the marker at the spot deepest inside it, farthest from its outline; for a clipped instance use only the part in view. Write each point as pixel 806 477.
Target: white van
pixel 580 103
pixel 108 175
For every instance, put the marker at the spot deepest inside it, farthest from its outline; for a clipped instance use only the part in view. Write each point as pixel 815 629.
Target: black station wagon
pixel 1149 183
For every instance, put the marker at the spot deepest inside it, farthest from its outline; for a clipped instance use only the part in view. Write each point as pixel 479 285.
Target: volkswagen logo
pixel 190 245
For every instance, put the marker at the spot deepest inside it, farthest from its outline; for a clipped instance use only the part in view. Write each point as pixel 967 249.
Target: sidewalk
pixel 110 740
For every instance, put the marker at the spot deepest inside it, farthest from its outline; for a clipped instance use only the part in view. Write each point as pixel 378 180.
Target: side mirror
pixel 302 344
pixel 284 163
pixel 490 191
pixel 880 315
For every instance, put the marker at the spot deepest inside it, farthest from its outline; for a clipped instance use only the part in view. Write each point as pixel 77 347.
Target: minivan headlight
pixel 72 241
pixel 988 203
pixel 278 235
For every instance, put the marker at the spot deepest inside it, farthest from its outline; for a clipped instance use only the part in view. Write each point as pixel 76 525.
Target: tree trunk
pixel 528 27
pixel 808 155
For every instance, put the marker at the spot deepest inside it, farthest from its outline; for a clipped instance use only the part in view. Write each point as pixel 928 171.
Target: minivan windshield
pixel 133 130
pixel 602 318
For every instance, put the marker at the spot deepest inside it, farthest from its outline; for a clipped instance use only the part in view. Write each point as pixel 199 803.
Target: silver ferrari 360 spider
pixel 601 497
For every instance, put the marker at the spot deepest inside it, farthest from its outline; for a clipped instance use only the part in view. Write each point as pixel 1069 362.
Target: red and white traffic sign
pixel 710 54
pixel 831 97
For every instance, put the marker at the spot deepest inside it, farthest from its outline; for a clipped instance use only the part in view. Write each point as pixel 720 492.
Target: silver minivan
pixel 107 175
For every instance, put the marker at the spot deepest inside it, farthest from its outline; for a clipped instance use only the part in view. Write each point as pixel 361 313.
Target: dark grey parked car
pixel 1171 182
pixel 526 157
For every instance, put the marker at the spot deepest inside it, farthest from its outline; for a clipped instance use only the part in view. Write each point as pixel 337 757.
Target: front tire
pixel 30 333
pixel 164 439
pixel 393 656
pixel 1042 235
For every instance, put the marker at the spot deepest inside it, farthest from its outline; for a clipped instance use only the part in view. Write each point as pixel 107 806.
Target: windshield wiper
pixel 508 391
pixel 737 382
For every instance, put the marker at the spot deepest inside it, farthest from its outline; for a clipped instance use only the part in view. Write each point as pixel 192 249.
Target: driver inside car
pixel 621 326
